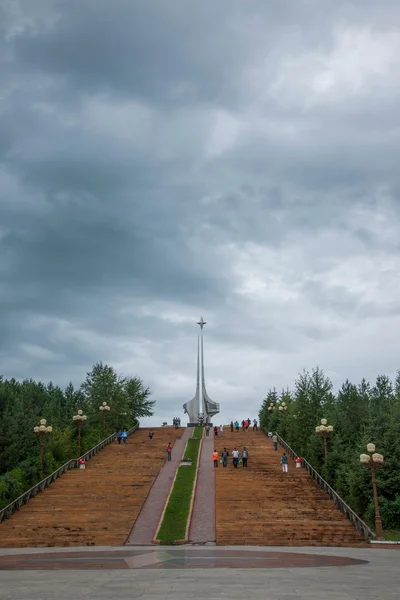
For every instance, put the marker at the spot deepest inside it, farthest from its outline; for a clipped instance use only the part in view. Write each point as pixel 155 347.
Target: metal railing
pixel 349 513
pixel 8 510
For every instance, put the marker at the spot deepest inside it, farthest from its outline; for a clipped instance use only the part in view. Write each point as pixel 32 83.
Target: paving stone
pixel 202 527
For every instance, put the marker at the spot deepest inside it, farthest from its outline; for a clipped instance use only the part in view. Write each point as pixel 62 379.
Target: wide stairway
pixel 97 506
pixel 263 506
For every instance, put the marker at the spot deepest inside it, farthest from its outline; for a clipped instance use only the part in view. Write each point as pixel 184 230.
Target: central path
pixel 144 530
pixel 202 528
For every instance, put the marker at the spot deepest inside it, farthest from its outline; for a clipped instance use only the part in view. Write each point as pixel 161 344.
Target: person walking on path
pixel 221 431
pixel 255 425
pixel 275 441
pixel 215 459
pixel 119 436
pixel 124 436
pixel 224 455
pixel 169 451
pixel 151 434
pixel 232 426
pixel 285 463
pixel 235 457
pixel 207 430
pixel 245 456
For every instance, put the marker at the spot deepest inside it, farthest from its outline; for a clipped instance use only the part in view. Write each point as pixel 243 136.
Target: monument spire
pixel 200 407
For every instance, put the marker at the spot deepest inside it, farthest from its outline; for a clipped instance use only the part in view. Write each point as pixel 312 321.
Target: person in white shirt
pixel 221 431
pixel 235 457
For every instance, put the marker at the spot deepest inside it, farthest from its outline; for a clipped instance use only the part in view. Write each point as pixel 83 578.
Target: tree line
pixel 360 414
pixel 24 403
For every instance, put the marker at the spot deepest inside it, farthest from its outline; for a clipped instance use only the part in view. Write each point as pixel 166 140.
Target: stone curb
pixel 189 519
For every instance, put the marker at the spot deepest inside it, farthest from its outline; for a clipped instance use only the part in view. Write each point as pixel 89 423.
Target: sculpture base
pixel 198 425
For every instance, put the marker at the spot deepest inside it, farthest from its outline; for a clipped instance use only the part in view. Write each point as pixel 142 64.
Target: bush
pixel 390 513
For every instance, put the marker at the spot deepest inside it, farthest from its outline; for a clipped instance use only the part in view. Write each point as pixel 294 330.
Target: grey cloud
pixel 100 232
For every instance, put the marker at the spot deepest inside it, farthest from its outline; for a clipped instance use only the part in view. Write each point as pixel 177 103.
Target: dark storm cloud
pixel 162 159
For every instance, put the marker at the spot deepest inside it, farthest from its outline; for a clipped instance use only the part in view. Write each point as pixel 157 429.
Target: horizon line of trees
pixel 24 403
pixel 360 414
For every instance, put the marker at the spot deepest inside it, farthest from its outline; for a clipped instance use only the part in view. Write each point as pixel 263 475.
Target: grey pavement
pixel 146 524
pixel 202 527
pixel 380 578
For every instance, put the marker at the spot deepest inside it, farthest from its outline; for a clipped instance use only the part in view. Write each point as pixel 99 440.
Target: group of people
pixel 176 422
pixel 122 436
pixel 246 424
pixel 218 431
pixel 237 456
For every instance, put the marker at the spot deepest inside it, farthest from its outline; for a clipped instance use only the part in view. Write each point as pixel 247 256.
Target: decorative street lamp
pixel 79 418
pixel 282 407
pixel 41 430
pixel 104 409
pixel 324 430
pixel 372 461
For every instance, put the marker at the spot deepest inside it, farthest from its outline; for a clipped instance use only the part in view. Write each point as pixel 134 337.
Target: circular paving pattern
pixel 210 558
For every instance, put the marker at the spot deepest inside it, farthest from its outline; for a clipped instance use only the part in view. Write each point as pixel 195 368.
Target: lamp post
pixel 41 430
pixel 79 418
pixel 104 409
pixel 324 429
pixel 372 460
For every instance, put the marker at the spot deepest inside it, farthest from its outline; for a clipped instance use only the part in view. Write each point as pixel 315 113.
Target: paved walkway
pixel 146 524
pixel 183 573
pixel 202 528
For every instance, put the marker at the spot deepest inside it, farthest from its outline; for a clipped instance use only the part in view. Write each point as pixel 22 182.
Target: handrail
pixel 8 510
pixel 348 512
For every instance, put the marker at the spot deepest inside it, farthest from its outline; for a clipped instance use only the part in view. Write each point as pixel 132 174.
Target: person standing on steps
pixel 224 455
pixel 285 463
pixel 275 441
pixel 235 457
pixel 255 425
pixel 221 431
pixel 231 426
pixel 124 436
pixel 216 431
pixel 237 425
pixel 151 434
pixel 245 456
pixel 215 459
pixel 169 451
pixel 119 436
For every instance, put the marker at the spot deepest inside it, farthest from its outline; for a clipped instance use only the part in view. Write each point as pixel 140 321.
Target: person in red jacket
pixel 215 458
pixel 169 451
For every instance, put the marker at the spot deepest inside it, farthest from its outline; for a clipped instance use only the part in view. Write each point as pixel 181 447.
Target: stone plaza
pixel 202 572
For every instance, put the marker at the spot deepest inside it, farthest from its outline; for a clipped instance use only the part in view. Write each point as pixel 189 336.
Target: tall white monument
pixel 201 408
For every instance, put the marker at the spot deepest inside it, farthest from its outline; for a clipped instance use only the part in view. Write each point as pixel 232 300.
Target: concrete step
pixel 261 505
pixel 97 505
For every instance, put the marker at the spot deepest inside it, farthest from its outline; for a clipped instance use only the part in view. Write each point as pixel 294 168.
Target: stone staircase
pixel 96 506
pixel 262 506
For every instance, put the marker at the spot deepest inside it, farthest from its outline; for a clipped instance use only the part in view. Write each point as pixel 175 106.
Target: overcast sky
pixel 162 160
